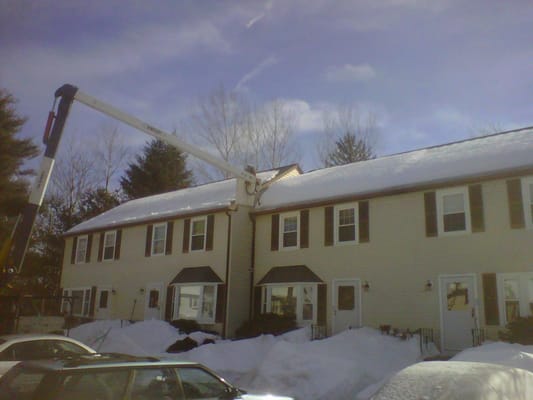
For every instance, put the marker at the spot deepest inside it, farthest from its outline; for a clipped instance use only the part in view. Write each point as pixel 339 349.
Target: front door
pixel 458 299
pixel 346 304
pixel 153 302
pixel 103 302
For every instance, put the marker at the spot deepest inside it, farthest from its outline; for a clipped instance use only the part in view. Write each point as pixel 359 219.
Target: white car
pixel 22 347
pixel 453 380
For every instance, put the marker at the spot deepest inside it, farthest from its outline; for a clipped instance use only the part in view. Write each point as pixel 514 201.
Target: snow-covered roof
pixel 481 156
pixel 211 196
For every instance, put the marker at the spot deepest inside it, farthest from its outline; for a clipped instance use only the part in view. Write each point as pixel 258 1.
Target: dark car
pixel 116 377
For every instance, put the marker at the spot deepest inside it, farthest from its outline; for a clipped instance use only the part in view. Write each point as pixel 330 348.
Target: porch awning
pixel 289 274
pixel 196 275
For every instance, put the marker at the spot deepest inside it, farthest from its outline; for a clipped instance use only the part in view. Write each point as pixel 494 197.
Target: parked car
pixel 451 380
pixel 22 347
pixel 117 377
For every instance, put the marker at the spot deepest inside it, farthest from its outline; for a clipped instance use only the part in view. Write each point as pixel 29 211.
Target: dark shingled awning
pixel 288 274
pixel 195 275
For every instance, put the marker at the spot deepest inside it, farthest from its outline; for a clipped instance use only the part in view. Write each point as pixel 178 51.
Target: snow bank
pixel 509 354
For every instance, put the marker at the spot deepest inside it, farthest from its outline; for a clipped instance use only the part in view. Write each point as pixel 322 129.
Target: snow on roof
pixel 469 158
pixel 216 195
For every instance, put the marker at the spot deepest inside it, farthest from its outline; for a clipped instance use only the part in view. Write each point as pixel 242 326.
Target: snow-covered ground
pixel 350 365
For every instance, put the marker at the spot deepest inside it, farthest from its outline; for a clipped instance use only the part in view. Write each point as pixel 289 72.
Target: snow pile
pixel 509 354
pixel 334 368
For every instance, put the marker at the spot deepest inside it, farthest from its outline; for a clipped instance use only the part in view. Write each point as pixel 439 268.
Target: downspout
pixel 228 249
pixel 252 269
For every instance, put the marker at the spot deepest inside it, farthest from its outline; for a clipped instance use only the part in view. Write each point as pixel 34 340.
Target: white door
pixel 458 299
pixel 346 304
pixel 103 302
pixel 153 301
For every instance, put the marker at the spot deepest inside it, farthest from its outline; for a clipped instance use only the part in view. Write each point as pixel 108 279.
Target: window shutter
pixel 257 300
pixel 168 241
pixel 92 302
pixel 221 303
pixel 274 233
pixel 328 226
pixel 321 310
pixel 475 194
pixel 186 233
pixel 89 246
pixel 101 247
pixel 304 229
pixel 117 244
pixel 364 222
pixel 490 299
pixel 516 209
pixel 430 205
pixel 73 251
pixel 148 247
pixel 169 301
pixel 210 232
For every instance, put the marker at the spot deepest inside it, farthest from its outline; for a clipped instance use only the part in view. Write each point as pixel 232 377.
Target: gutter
pixel 228 259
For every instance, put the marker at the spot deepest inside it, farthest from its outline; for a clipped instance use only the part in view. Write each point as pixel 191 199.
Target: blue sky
pixel 432 71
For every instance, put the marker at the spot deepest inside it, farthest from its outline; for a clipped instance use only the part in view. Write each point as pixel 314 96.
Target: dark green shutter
pixel 430 206
pixel 118 241
pixel 274 233
pixel 516 209
pixel 490 299
pixel 257 300
pixel 168 303
pixel 89 246
pixel 364 222
pixel 321 310
pixel 304 229
pixel 186 234
pixel 168 241
pixel 101 246
pixel 475 195
pixel 328 226
pixel 92 302
pixel 148 246
pixel 210 232
pixel 221 303
pixel 73 250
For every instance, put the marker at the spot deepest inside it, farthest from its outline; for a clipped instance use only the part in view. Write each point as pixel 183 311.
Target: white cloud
pixel 350 73
pixel 308 117
pixel 241 85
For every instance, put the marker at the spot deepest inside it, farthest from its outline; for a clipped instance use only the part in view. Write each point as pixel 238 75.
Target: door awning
pixel 196 275
pixel 289 274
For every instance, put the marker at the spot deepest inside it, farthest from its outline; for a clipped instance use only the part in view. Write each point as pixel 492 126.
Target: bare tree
pixel 112 153
pixel 348 136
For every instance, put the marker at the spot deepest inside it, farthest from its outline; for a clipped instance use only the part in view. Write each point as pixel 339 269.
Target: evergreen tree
pixel 161 168
pixel 13 153
pixel 349 149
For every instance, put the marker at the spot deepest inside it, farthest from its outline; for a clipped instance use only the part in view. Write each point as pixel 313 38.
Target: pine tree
pixel 349 149
pixel 161 168
pixel 13 153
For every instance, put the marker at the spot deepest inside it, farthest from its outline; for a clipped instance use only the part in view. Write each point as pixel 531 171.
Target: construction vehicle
pixel 13 251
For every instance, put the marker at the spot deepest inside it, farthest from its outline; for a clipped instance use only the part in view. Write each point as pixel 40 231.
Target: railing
pixel 318 332
pixel 427 337
pixel 478 336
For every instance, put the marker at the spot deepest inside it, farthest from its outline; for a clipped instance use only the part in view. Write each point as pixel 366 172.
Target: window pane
pixel 77 302
pixel 453 203
pixel 345 298
pixel 159 232
pixel 153 298
pixel 197 242
pixel 208 303
pixel 189 297
pixel 290 224
pixel 199 384
pixel 21 386
pixel 307 300
pixel 346 233
pixel 457 295
pixel 510 287
pixel 347 217
pixel 154 383
pixel 198 227
pixel 290 239
pixel 109 245
pixel 98 385
pixel 81 249
pixel 512 310
pixel 103 299
pixel 283 300
pixel 454 222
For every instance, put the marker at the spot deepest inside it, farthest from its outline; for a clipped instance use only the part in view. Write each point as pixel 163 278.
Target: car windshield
pixel 20 384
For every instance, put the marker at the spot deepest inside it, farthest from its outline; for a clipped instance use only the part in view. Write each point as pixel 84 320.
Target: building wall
pixel 399 258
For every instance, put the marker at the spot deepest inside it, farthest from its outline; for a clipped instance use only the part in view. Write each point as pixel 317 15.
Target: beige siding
pixel 399 258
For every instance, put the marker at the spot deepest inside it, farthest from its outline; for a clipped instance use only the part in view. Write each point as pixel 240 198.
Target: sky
pixel 430 71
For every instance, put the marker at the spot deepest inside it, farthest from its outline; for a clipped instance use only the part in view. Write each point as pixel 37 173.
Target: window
pixel 154 383
pixel 200 384
pixel 453 211
pixel 159 239
pixel 515 295
pixel 81 249
pixel 345 223
pixel 197 302
pixel 527 193
pixel 104 298
pixel 77 302
pixel 109 245
pixel 289 235
pixel 198 233
pixel 298 300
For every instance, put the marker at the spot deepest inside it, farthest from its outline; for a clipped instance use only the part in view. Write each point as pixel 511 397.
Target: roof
pixel 196 275
pixel 482 156
pixel 203 198
pixel 290 274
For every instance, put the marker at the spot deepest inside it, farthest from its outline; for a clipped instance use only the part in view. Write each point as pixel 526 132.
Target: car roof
pixel 22 337
pixel 102 360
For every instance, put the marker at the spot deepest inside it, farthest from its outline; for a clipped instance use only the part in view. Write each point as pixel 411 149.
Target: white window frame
pixel 193 220
pixel 81 255
pixel 282 219
pixel 337 225
pixel 527 201
pixel 266 300
pixel 175 304
pixel 440 195
pixel 164 226
pixel 106 235
pixel 525 295
pixel 85 304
